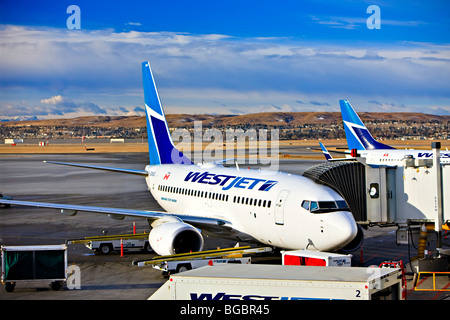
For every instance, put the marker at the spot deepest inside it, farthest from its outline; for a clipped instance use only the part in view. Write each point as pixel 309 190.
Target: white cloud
pixel 102 68
pixel 53 100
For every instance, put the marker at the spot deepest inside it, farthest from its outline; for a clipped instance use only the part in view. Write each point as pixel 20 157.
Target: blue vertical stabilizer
pixel 160 146
pixel 358 137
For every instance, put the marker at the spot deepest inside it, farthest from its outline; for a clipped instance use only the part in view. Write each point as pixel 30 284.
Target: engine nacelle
pixel 175 237
pixel 355 244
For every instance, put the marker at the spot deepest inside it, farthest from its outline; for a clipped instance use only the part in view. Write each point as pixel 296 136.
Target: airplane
pixel 272 208
pixel 362 144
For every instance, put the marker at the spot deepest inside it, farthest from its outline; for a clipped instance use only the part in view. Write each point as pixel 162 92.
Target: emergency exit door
pixel 279 207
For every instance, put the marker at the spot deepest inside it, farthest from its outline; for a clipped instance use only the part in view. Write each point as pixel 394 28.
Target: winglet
pixel 358 136
pixel 160 146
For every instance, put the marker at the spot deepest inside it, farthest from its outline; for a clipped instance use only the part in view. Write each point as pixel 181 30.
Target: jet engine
pixel 172 237
pixel 356 243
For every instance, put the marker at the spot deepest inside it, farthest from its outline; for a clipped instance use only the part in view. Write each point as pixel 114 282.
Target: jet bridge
pixel 414 196
pixel 416 192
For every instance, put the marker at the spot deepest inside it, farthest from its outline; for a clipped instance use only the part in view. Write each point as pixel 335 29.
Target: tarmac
pixel 112 277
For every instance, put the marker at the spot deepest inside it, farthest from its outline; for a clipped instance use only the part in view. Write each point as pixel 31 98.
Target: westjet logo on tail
pixel 227 182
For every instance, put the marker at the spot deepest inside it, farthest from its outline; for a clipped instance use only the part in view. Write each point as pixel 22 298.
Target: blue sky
pixel 223 56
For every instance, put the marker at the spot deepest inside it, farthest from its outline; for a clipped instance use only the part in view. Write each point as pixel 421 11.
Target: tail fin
pixel 160 145
pixel 325 152
pixel 358 137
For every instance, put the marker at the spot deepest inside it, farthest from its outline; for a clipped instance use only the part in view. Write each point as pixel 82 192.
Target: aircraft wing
pixel 119 214
pixel 87 166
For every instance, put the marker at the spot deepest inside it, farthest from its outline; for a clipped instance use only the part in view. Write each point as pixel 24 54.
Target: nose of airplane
pixel 342 228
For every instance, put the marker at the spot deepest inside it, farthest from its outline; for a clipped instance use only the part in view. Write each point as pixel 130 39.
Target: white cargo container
pixel 315 258
pixel 277 282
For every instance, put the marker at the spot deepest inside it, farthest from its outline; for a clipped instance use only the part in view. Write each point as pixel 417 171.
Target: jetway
pixel 414 196
pixel 416 192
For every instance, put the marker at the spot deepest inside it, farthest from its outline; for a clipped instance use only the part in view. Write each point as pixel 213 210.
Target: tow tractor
pixel 186 261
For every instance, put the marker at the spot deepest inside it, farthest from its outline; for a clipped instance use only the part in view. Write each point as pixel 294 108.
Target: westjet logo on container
pixel 227 182
pixel 225 296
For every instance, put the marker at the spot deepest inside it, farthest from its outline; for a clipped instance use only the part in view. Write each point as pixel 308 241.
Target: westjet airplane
pixel 360 139
pixel 273 208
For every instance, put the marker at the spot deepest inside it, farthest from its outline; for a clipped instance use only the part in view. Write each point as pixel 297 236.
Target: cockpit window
pixel 342 204
pixel 324 206
pixel 305 204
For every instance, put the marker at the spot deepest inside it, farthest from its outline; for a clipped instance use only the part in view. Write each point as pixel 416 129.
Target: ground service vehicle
pixel 107 246
pixel 278 282
pixel 171 267
pixel 315 258
pixel 5 198
pixel 109 243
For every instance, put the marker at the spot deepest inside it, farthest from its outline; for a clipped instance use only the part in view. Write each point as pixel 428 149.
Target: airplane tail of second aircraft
pixel 358 136
pixel 160 144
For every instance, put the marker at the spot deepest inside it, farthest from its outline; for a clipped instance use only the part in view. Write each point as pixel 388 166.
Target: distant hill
pixel 290 119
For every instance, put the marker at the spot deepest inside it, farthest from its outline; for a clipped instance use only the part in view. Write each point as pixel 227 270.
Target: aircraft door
pixel 279 207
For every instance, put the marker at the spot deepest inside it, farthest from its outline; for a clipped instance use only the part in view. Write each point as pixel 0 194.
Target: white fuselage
pixel 396 156
pixel 267 206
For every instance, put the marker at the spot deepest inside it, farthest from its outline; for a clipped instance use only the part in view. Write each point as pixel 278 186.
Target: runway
pixel 26 177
